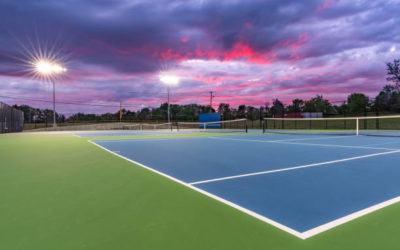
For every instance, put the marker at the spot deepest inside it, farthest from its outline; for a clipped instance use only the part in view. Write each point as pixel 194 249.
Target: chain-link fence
pixel 11 119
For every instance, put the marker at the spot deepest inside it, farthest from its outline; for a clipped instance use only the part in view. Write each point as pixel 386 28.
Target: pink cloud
pixel 238 52
pixel 168 55
pixel 327 4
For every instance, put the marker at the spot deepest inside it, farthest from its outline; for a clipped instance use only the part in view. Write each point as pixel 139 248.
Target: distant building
pixel 312 114
pixel 300 115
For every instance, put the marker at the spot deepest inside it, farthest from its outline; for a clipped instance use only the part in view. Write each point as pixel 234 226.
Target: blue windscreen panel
pixel 210 117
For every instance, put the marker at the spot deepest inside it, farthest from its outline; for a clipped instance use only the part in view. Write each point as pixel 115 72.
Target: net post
pixel 357 126
pixel 263 126
pixel 377 113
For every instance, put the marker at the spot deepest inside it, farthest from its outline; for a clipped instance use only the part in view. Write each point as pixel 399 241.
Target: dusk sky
pixel 246 52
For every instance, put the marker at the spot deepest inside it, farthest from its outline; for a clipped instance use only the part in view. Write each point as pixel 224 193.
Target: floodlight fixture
pixel 43 67
pixel 170 80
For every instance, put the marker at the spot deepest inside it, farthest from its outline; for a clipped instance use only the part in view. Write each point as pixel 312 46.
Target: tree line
pixel 386 101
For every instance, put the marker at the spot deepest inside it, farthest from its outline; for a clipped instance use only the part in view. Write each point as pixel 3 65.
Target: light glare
pixel 46 68
pixel 43 67
pixel 57 68
pixel 169 79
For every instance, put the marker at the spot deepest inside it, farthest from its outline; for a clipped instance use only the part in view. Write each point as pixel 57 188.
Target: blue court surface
pixel 301 184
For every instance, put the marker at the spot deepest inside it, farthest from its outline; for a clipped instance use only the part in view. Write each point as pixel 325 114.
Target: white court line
pixel 301 143
pixel 292 168
pixel 304 235
pixel 347 218
pixel 313 138
pixel 240 208
pixel 333 145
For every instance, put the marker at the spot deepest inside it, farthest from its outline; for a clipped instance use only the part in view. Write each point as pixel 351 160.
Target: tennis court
pixel 304 184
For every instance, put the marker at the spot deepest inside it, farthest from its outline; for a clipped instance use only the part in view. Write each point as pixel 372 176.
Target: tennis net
pixel 239 125
pixel 368 125
pixel 156 126
pixel 131 127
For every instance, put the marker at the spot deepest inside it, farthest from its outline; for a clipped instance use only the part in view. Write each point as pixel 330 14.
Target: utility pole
pixel 211 97
pixel 120 111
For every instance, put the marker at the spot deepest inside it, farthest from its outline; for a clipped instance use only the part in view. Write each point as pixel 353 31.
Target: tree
pixel 253 113
pixel 277 107
pixel 358 103
pixel 388 99
pixel 318 104
pixel 241 111
pixel 34 115
pixel 393 72
pixel 144 114
pixel 296 107
pixel 225 110
pixel 175 109
pixel 206 109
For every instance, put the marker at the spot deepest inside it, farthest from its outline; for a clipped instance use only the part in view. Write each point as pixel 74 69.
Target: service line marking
pixel 302 143
pixel 292 168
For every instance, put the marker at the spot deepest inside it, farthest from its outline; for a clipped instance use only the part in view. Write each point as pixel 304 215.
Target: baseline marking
pixel 292 168
pixel 301 143
pixel 347 218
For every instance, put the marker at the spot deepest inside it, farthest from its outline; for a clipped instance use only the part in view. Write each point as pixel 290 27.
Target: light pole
pixel 169 80
pixel 50 70
pixel 169 119
pixel 54 103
